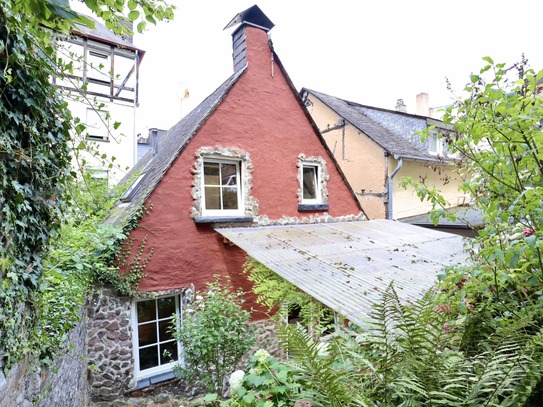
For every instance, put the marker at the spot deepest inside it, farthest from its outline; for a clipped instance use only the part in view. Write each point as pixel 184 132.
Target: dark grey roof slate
pixel 389 137
pixel 466 215
pixel 101 33
pixel 170 146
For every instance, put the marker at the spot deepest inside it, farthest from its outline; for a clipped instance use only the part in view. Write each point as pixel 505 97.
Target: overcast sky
pixel 371 52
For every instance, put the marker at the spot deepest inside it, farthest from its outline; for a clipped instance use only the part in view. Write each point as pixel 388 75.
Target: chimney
pixel 154 140
pixel 423 106
pixel 400 106
pixel 253 16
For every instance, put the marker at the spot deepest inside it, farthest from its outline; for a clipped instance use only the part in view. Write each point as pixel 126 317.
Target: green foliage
pixel 322 382
pixel 276 293
pixel 215 335
pixel 267 383
pixel 46 246
pixel 34 156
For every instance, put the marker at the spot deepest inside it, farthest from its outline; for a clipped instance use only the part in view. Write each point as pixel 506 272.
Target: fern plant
pixel 409 356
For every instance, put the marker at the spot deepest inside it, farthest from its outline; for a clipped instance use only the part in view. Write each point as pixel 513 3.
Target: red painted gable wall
pixel 262 117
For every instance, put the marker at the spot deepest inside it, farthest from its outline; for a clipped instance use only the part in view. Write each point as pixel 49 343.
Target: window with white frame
pixel 311 183
pixel 435 144
pixel 98 64
pixel 155 349
pixel 221 187
pixel 97 124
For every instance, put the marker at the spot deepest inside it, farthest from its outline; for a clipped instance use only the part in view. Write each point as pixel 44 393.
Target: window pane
pixel 213 197
pixel 211 173
pixel 432 143
pixel 230 198
pixel 147 334
pixel 148 357
pixel 309 182
pixel 228 174
pixel 171 352
pixel 164 333
pixel 166 307
pixel 146 311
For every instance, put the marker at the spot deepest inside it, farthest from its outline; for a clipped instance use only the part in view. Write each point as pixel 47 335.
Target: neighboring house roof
pixel 395 132
pixel 103 34
pixel 348 265
pixel 467 216
pixel 153 167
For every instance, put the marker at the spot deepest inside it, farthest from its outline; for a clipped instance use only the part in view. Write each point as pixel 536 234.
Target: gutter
pixel 390 185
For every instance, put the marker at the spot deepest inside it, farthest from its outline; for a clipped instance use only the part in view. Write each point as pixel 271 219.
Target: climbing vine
pixel 47 247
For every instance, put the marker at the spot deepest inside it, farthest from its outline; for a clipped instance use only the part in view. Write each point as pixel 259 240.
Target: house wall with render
pixel 262 121
pixel 261 117
pixel 362 160
pixel 442 176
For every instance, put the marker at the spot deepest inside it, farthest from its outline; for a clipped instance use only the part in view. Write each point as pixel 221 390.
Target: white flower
pixel 236 379
pixel 199 297
pixel 262 355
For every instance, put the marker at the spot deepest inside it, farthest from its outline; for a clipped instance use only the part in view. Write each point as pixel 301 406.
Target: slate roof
pixel 468 216
pixel 103 34
pixel 170 146
pixel 393 139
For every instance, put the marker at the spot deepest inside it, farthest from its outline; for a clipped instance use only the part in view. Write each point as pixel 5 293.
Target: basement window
pixel 155 349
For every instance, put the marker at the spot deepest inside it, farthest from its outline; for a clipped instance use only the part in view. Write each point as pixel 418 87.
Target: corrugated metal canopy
pixel 347 265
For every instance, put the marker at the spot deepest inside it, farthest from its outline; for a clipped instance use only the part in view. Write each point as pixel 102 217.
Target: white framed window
pixel 155 349
pixel 435 144
pixel 98 64
pixel 221 187
pixel 97 122
pixel 310 180
pixel 438 146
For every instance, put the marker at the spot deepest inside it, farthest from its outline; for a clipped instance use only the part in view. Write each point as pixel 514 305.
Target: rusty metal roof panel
pixel 347 265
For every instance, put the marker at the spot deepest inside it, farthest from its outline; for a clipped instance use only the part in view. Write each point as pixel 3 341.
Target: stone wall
pixel 109 345
pixel 62 384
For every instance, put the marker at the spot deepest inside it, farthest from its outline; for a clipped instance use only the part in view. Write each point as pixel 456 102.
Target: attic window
pixel 129 193
pixel 222 186
pixel 312 175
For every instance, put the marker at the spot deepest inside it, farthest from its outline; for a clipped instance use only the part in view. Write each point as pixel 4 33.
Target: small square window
pixel 221 188
pixel 155 349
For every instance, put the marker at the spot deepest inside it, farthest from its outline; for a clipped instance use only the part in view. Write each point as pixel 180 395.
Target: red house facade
pixel 248 155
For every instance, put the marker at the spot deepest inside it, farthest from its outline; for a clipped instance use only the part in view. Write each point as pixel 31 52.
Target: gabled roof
pixel 153 167
pixel 397 137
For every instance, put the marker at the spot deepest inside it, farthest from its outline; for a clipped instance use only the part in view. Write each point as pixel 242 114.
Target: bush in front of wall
pixel 215 334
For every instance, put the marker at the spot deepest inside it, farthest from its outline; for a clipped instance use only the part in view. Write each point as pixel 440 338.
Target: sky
pixel 370 52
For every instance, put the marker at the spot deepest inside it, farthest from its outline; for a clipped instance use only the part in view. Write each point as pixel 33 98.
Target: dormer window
pixel 435 144
pixel 222 189
pixel 312 175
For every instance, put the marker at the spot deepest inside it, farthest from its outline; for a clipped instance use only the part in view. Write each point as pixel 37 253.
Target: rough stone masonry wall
pixel 109 345
pixel 62 384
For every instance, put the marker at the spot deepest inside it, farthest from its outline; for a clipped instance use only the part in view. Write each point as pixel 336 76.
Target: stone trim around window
pixel 323 177
pixel 250 204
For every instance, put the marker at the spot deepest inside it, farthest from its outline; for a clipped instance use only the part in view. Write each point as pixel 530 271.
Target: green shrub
pixel 215 335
